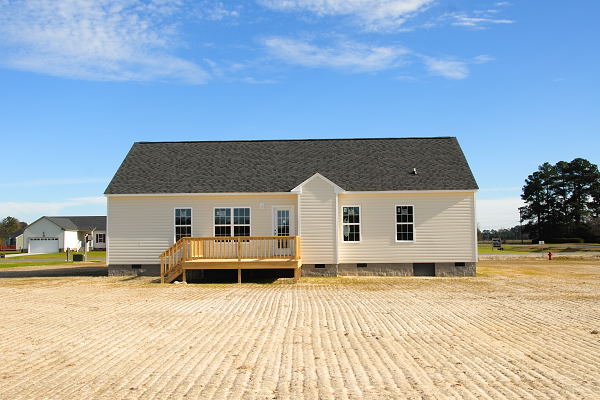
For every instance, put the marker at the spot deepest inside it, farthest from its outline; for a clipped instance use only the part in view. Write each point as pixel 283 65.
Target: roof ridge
pixel 298 140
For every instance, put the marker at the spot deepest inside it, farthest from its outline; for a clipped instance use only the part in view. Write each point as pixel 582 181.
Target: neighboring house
pixel 402 206
pixel 12 238
pixel 19 243
pixel 54 234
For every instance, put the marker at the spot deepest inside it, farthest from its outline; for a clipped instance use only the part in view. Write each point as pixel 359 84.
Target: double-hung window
pixel 351 223
pixel 405 225
pixel 232 221
pixel 183 223
pixel 100 238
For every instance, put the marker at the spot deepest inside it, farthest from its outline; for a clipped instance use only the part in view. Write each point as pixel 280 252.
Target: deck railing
pixel 230 248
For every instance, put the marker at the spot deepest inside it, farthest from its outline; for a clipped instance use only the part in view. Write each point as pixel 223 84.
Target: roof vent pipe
pixel 414 171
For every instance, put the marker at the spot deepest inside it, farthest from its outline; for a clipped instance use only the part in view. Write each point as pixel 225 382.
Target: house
pixel 19 242
pixel 399 206
pixel 54 234
pixel 11 240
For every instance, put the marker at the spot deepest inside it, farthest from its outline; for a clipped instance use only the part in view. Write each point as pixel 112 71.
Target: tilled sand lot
pixel 523 329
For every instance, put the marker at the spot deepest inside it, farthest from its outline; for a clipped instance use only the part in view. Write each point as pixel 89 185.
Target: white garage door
pixel 43 245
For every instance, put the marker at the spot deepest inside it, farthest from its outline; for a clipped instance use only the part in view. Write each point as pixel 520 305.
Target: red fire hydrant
pixel 549 255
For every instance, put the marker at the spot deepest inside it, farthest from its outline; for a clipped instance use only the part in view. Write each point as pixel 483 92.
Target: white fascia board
pixel 336 188
pixel 201 194
pixel 411 191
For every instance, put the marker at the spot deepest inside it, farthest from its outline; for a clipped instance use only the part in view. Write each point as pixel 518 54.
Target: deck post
pixel 297 273
pixel 162 270
pixel 239 275
pixel 183 276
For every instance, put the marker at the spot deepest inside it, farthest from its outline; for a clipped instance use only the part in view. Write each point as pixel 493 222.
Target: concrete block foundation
pixel 134 269
pixel 388 269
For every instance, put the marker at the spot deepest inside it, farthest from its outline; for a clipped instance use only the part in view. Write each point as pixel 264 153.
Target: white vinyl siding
pixel 141 227
pixel 444 228
pixel 317 205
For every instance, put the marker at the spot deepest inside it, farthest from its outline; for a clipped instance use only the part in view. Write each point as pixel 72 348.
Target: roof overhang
pixel 198 194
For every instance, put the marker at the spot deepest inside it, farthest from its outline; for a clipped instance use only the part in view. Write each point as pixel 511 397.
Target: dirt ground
pixel 522 329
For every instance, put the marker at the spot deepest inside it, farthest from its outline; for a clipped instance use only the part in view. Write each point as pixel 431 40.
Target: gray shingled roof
pixel 281 165
pixel 80 223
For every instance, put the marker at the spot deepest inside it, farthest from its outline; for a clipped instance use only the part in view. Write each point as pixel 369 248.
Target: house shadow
pixel 230 275
pixel 54 272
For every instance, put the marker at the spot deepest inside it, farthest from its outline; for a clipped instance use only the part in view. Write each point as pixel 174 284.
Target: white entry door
pixel 283 225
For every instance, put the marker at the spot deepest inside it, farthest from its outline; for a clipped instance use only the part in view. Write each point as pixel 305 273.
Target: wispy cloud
pixel 451 69
pixel 216 11
pixel 478 19
pixel 108 40
pixel 30 211
pixel 345 54
pixel 54 182
pixel 371 14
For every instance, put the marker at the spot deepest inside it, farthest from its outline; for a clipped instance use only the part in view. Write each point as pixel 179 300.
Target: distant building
pixel 55 234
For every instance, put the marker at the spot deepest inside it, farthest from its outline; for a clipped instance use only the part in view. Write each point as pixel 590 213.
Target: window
pixel 361 265
pixel 183 223
pixel 405 230
pixel 232 221
pixel 459 264
pixel 319 265
pixel 100 238
pixel 351 223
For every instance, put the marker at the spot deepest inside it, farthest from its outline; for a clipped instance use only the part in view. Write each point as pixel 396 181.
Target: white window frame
pixel 396 223
pixel 360 232
pixel 103 238
pixel 231 224
pixel 175 221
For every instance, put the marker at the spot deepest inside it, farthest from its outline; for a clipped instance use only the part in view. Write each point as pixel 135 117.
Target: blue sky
pixel 81 80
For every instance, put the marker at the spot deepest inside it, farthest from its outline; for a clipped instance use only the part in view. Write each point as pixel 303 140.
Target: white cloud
pixel 482 20
pixel 498 213
pixel 112 40
pixel 372 14
pixel 30 211
pixel 482 59
pixel 350 55
pixel 451 69
pixel 216 11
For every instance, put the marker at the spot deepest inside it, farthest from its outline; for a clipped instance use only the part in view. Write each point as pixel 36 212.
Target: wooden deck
pixel 238 252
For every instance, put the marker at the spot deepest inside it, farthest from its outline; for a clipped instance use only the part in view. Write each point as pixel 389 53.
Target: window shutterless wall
pixel 142 227
pixel 443 228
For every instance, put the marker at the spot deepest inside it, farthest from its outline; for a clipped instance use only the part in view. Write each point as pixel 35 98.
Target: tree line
pixel 8 226
pixel 562 201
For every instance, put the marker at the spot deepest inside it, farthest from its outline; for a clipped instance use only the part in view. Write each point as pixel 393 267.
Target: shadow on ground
pixel 53 272
pixel 230 276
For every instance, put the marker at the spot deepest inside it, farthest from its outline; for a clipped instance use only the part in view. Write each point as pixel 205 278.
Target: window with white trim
pixel 351 223
pixel 405 227
pixel 183 223
pixel 231 221
pixel 100 238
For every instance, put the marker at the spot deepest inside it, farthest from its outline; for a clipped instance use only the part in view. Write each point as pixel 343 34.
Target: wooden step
pixel 173 274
